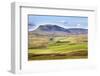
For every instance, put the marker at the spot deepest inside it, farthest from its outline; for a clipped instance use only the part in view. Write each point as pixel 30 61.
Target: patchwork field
pixel 55 47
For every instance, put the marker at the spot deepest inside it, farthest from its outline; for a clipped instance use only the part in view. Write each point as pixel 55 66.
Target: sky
pixel 64 21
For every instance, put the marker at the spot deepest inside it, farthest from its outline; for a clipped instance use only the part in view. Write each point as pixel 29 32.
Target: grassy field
pixel 49 48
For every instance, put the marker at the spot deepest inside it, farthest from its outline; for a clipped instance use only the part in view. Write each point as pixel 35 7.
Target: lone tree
pixel 52 36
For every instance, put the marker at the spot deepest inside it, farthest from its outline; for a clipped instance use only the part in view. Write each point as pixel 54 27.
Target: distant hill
pixel 57 30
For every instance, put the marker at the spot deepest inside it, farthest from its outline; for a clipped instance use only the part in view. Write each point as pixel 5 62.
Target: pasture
pixel 50 48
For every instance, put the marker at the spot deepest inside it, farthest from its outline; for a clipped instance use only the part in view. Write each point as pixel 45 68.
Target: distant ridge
pixel 56 30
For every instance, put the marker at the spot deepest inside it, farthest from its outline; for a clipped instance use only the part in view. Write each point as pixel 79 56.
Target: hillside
pixel 56 30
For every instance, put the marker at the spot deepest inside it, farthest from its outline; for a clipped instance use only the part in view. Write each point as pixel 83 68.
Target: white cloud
pixel 78 25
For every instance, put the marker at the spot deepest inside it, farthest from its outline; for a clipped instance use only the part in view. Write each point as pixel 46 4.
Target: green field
pixel 49 48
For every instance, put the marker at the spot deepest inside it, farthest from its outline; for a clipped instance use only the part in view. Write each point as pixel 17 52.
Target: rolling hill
pixel 56 30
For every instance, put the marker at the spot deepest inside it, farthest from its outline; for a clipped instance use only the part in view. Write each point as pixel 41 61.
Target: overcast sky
pixel 63 21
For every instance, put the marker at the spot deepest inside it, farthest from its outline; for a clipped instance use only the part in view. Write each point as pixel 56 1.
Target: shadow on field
pixel 52 56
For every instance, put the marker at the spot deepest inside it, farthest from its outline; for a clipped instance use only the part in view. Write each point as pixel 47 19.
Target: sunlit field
pixel 55 47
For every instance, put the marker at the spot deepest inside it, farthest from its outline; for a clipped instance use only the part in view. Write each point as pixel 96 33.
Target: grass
pixel 71 47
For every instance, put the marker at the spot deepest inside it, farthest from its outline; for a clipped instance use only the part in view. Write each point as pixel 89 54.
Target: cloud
pixel 32 27
pixel 78 25
pixel 63 22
